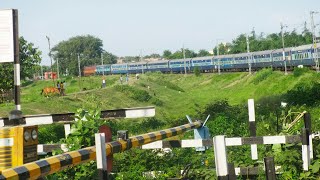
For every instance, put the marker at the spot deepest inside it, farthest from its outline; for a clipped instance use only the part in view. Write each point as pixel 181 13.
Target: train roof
pixel 262 52
pixel 186 59
pixel 155 62
pixel 280 50
pixel 136 63
pixel 201 58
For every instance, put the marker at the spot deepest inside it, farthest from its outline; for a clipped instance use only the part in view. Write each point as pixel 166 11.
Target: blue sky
pixel 152 26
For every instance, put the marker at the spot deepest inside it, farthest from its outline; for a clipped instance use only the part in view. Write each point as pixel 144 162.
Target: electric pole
pixel 184 59
pixel 141 59
pixel 58 68
pixel 283 53
pixel 314 40
pixel 79 72
pixel 219 71
pixel 50 61
pixel 249 56
pixel 102 64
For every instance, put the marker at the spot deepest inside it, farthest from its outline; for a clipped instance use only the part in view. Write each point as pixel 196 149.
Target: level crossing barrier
pixel 40 168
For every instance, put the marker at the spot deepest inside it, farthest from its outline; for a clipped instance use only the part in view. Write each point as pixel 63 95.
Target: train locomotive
pixel 294 56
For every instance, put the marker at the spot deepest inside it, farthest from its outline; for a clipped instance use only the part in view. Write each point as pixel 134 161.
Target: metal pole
pixel 283 53
pixel 41 72
pixel 219 71
pixel 102 63
pixel 314 40
pixel 249 57
pixel 184 59
pixel 16 60
pixel 58 68
pixel 50 61
pixel 79 72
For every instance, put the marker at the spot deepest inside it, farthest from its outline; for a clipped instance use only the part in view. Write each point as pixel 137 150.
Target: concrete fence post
pixel 252 128
pixel 220 156
pixel 101 156
pixel 270 168
pixel 305 149
pixel 307 124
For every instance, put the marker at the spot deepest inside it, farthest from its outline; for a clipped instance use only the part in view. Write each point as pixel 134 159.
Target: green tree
pixel 88 47
pixel 166 54
pixel 29 64
pixel 203 53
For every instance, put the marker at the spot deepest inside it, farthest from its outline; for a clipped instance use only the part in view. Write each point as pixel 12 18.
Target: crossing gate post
pixel 305 149
pixel 252 128
pixel 220 157
pixel 307 124
pixel 101 156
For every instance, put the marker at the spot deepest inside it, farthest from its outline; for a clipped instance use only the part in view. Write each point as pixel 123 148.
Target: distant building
pixel 50 75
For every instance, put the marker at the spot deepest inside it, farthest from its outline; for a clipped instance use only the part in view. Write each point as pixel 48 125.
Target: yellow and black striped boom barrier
pixel 53 164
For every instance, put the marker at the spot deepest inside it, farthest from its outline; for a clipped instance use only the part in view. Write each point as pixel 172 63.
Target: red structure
pixel 50 75
pixel 89 70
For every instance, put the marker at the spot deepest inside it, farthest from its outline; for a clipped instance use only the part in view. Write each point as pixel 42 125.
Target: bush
pixel 299 71
pixel 197 71
pixel 262 75
pixel 136 94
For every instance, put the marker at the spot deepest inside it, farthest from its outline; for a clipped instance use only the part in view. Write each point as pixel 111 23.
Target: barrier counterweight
pixel 57 163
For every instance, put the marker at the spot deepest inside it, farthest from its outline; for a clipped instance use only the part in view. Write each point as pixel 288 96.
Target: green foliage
pixel 300 71
pixel 197 71
pixel 156 101
pixel 304 94
pixel 262 75
pixel 168 84
pixel 29 59
pixel 50 133
pixel 134 93
pixel 82 135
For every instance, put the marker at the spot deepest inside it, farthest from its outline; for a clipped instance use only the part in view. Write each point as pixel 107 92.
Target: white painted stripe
pixel 305 157
pixel 311 146
pixel 254 152
pixel 1 122
pixel 37 120
pixel 18 107
pixel 251 110
pixel 220 156
pixel 40 148
pixel 192 143
pixel 137 113
pixel 67 130
pixel 154 145
pixel 17 74
pixel 233 141
pixel 274 139
pixel 237 171
pixel 6 142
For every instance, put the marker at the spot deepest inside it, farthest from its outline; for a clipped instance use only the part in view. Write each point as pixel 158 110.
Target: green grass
pixel 176 93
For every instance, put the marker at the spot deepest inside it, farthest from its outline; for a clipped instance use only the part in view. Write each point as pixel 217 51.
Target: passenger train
pixel 295 56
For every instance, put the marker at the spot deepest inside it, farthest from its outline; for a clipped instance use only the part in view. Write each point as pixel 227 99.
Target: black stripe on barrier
pixel 65 160
pixel 163 134
pixel 44 166
pixel 293 139
pixel 22 172
pixel 183 128
pixel 252 128
pixel 116 147
pixel 140 139
pixel 152 136
pixel 305 136
pixel 252 140
pixel 223 177
pixel 171 144
pixel 84 154
pixel 129 144
pixel 63 117
pixel 174 131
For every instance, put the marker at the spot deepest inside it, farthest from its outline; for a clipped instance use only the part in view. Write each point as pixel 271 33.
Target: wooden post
pixel 101 156
pixel 252 128
pixel 220 156
pixel 307 124
pixel 270 168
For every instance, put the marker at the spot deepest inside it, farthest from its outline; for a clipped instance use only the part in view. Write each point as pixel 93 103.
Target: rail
pixel 57 163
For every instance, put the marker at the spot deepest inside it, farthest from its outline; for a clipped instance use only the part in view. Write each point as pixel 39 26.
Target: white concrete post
pixel 220 156
pixel 67 129
pixel 252 128
pixel 101 155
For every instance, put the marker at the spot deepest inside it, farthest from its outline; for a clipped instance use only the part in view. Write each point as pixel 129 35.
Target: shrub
pixel 136 94
pixel 299 71
pixel 262 75
pixel 197 71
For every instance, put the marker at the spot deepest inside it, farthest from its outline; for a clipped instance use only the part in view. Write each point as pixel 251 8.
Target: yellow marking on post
pixel 108 149
pixel 54 164
pixel 135 142
pixel 76 157
pixel 158 135
pixel 123 145
pixel 147 138
pixel 10 174
pixel 168 132
pixel 34 170
pixel 179 130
